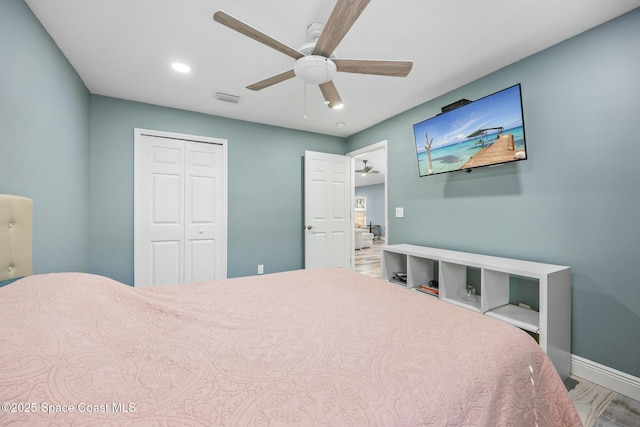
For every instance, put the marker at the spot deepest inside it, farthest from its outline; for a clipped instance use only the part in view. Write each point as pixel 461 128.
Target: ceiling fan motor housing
pixel 315 69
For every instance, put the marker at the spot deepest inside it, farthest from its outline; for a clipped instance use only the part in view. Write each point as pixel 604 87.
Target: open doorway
pixel 369 193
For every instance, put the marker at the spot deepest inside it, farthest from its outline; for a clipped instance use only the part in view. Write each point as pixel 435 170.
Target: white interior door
pixel 327 210
pixel 180 209
pixel 159 210
pixel 203 212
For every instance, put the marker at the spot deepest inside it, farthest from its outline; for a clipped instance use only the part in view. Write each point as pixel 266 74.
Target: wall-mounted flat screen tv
pixel 485 132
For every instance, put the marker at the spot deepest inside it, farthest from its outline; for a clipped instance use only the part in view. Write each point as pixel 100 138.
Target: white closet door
pixel 160 211
pixel 203 212
pixel 180 193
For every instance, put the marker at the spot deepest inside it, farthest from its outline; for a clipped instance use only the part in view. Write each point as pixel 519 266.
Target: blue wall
pixel 44 139
pixel 265 185
pixel 375 203
pixel 574 202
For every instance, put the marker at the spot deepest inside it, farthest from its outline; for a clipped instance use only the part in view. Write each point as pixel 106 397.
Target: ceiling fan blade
pixel 246 29
pixel 376 67
pixel 272 80
pixel 344 15
pixel 330 94
pixel 367 170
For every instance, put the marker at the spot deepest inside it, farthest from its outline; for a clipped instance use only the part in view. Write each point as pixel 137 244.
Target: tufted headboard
pixel 16 215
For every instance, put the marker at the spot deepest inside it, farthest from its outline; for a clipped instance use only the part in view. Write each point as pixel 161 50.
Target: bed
pixel 306 347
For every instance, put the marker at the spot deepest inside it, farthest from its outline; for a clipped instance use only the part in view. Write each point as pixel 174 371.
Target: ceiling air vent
pixel 221 96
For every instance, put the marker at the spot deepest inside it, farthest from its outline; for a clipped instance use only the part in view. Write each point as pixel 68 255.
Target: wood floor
pixel 596 405
pixel 368 259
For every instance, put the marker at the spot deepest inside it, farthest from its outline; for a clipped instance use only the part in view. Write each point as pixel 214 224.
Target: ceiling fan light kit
pixel 315 69
pixel 316 62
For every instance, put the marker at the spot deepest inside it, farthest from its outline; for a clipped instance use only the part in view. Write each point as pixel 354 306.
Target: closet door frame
pixel 139 135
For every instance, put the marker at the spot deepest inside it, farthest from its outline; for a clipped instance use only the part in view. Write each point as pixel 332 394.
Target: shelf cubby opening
pixel 524 290
pixel 504 292
pixel 421 271
pixel 394 263
pixel 455 279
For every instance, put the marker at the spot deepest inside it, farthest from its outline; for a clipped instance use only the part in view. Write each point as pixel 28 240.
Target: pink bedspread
pixel 315 347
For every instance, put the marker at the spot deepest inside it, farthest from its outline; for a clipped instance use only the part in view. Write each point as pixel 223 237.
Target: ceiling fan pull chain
pixel 305 99
pixel 326 69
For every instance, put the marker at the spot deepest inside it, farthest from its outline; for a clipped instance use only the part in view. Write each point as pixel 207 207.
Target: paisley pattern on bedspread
pixel 314 347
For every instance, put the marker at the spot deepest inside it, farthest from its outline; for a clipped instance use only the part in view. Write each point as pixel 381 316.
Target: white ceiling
pixel 124 48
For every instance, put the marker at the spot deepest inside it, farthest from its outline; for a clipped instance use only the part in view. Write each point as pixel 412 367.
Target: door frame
pixel 137 136
pixel 382 145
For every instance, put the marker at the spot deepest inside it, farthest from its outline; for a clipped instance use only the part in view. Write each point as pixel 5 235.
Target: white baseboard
pixel 605 376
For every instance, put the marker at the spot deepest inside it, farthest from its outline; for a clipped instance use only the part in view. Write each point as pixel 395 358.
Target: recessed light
pixel 340 124
pixel 180 67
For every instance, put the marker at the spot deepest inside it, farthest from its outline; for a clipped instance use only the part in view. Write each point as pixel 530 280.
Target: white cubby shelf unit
pixel 452 269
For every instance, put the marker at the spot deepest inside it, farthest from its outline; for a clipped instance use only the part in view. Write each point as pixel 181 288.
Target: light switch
pixel 399 212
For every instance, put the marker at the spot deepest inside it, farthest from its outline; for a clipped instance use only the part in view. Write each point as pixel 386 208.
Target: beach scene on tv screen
pixel 486 132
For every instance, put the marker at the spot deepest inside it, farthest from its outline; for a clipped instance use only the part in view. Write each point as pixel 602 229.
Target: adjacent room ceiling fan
pixel 367 169
pixel 315 61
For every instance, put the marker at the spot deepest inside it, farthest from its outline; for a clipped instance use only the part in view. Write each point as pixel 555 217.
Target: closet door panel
pixel 159 219
pixel 203 214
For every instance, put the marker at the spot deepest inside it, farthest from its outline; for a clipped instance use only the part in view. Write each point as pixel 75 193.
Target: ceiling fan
pixel 367 169
pixel 315 61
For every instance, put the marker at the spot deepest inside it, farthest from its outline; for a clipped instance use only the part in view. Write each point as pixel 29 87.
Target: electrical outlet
pixel 399 212
pixel 260 268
